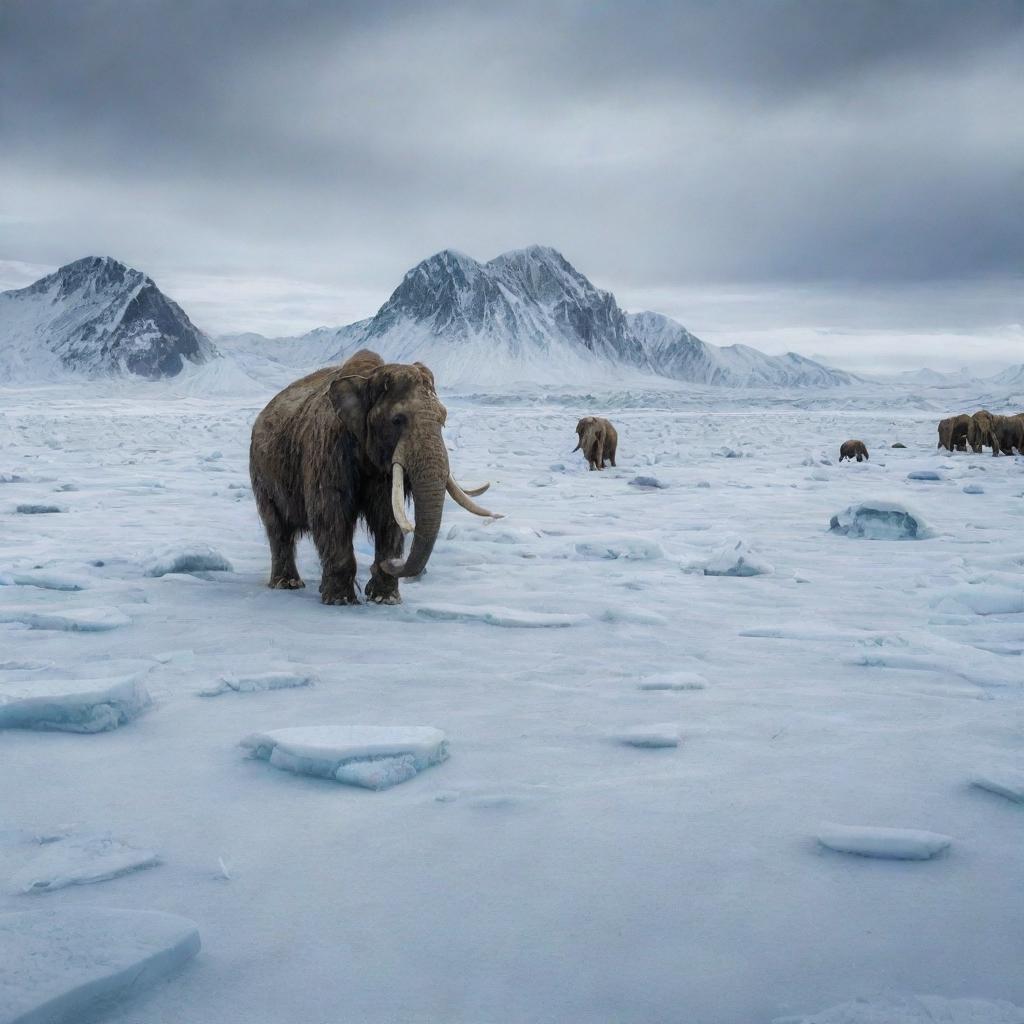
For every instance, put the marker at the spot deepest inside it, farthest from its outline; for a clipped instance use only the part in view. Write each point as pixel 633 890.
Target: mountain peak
pixel 99 316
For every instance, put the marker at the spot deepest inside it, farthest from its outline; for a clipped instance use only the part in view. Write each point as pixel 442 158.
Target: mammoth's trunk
pixel 425 463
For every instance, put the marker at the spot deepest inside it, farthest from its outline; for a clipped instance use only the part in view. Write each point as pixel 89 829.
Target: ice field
pixel 672 698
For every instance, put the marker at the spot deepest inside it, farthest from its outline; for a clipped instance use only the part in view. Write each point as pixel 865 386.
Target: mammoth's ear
pixel 428 377
pixel 351 400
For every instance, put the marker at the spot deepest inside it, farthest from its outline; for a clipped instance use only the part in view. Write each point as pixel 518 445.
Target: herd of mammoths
pixel 356 441
pixel 1003 434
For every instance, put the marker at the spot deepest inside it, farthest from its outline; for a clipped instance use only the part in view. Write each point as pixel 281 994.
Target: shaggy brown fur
pixel 853 449
pixel 953 433
pixel 981 432
pixel 598 439
pixel 1010 433
pixel 320 460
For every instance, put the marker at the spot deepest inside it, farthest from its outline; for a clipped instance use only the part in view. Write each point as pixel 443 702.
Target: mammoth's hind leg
pixel 388 543
pixel 282 536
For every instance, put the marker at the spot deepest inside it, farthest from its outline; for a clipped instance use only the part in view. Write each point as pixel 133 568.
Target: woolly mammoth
pixel 598 439
pixel 350 442
pixel 981 432
pixel 1009 431
pixel 853 450
pixel 953 433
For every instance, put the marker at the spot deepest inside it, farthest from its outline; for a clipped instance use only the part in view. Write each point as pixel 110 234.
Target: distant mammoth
pixel 981 431
pixel 598 439
pixel 350 442
pixel 853 449
pixel 1009 432
pixel 953 433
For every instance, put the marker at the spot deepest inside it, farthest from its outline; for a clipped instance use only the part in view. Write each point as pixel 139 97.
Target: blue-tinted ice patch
pixel 78 620
pixel 1006 783
pixel 648 483
pixel 80 860
pixel 884 843
pixel 973 489
pixel 626 547
pixel 918 1009
pixel 510 618
pixel 674 681
pixel 879 520
pixel 982 599
pixel 930 475
pixel 737 559
pixel 35 509
pixel 665 734
pixel 43 580
pixel 196 558
pixel 72 705
pixel 259 682
pixel 62 964
pixel 370 756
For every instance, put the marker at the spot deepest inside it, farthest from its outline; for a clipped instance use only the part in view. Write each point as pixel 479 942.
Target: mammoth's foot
pixel 285 583
pixel 334 591
pixel 382 591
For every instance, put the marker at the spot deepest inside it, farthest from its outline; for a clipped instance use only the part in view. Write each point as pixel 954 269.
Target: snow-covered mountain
pixel 529 314
pixel 675 352
pixel 96 316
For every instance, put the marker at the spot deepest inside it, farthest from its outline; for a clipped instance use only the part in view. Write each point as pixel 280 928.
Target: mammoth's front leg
pixel 333 540
pixel 388 543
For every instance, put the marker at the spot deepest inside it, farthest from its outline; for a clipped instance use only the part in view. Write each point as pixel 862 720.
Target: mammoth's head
pixel 586 429
pixel 393 412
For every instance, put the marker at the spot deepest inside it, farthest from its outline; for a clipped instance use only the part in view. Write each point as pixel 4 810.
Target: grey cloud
pixel 656 144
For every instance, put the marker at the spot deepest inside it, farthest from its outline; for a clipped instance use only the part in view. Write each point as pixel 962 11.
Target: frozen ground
pixel 547 871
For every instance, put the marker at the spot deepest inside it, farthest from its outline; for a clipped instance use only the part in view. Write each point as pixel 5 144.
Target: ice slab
pixel 30 509
pixel 737 559
pixel 375 757
pixel 258 683
pixel 886 843
pixel 197 558
pixel 72 705
pixel 665 734
pixel 913 1010
pixel 674 681
pixel 973 489
pixel 629 548
pixel 511 618
pixel 80 860
pixel 648 483
pixel 59 964
pixel 79 620
pixel 879 520
pixel 1003 783
pixel 925 474
pixel 982 599
pixel 42 580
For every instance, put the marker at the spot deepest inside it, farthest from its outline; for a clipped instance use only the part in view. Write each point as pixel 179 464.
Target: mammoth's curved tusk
pixel 473 492
pixel 398 498
pixel 463 499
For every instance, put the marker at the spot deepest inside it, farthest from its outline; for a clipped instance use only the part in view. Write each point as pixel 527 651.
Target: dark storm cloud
pixel 656 144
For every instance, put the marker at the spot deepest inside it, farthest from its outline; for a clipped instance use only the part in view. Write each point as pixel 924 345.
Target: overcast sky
pixel 845 178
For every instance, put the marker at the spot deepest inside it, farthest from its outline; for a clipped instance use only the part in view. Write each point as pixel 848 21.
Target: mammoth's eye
pixel 398 420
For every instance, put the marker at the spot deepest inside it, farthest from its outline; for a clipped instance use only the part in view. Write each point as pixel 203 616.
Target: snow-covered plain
pixel 547 871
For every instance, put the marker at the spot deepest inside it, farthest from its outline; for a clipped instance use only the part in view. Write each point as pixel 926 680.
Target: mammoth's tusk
pixel 473 492
pixel 398 498
pixel 463 499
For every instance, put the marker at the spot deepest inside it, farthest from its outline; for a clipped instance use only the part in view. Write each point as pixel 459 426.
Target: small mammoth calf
pixel 853 450
pixel 598 439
